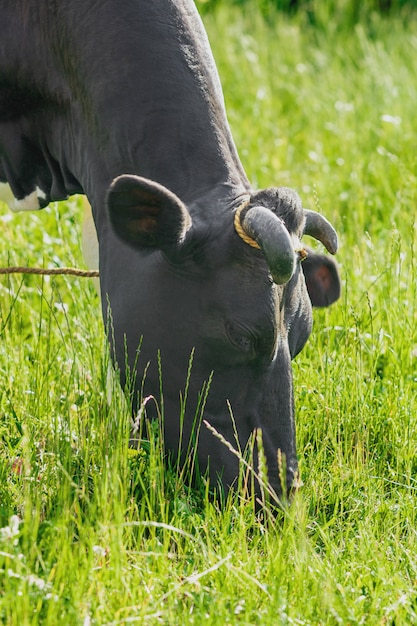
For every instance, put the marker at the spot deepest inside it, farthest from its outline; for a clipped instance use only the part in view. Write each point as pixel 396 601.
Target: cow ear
pixel 322 279
pixel 143 213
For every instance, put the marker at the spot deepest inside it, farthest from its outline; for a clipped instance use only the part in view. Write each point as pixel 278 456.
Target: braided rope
pixel 69 271
pixel 238 226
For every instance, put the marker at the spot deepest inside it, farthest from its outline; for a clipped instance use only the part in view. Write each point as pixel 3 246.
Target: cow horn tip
pixel 318 227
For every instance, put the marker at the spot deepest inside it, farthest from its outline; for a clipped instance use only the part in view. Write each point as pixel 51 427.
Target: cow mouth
pixel 253 476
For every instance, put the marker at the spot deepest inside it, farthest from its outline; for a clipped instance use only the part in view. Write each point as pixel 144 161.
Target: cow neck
pixel 163 116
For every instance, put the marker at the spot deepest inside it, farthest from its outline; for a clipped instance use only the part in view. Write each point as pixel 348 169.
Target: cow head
pixel 230 290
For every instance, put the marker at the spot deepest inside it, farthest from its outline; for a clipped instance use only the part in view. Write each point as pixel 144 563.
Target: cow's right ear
pixel 144 213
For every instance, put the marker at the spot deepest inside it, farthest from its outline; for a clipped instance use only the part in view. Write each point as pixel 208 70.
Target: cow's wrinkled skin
pixel 122 101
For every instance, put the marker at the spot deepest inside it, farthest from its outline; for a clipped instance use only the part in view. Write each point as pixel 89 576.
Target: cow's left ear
pixel 144 213
pixel 322 279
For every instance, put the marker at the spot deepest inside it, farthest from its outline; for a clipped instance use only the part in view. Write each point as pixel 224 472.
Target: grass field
pixel 92 533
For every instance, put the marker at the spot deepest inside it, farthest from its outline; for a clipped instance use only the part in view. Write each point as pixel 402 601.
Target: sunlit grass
pixel 106 535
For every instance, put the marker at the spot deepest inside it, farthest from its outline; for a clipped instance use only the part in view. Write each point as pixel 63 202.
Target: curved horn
pixel 318 227
pixel 274 240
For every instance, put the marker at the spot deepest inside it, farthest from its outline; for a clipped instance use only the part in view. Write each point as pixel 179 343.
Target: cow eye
pixel 239 338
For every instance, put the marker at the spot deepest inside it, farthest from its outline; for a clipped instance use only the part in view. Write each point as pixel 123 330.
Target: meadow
pixel 92 533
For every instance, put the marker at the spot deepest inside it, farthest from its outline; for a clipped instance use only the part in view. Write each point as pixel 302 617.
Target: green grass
pixel 104 535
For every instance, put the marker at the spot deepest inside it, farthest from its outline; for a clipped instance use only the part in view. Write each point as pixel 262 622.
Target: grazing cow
pixel 121 101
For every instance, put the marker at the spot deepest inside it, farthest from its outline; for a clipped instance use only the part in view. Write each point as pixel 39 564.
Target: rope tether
pixel 238 226
pixel 72 271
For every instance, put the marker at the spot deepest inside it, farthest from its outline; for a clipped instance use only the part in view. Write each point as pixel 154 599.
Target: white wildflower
pixel 10 532
pixel 99 551
pixel 345 107
pixel 34 581
pixel 395 120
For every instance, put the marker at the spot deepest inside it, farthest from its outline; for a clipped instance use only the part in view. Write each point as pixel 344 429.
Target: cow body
pixel 122 102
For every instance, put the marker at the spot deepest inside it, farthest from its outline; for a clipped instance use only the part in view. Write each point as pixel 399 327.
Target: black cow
pixel 121 101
